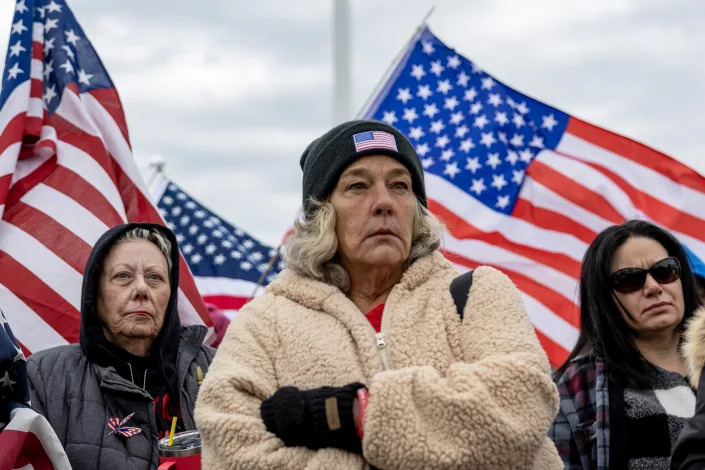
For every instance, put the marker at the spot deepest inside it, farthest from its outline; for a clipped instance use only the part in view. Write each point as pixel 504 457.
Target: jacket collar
pixel 315 294
pixel 111 380
pixel 189 344
pixel 322 297
pixel 191 339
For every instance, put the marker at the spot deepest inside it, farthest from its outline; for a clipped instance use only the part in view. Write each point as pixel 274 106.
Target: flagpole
pixel 394 63
pixel 157 164
pixel 157 181
pixel 341 88
pixel 341 61
pixel 270 265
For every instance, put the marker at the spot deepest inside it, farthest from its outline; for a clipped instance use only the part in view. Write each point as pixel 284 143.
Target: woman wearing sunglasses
pixel 624 394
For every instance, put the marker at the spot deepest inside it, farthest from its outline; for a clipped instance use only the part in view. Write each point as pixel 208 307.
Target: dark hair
pixel 603 329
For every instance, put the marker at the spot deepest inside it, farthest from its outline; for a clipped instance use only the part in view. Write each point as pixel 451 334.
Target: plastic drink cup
pixel 184 454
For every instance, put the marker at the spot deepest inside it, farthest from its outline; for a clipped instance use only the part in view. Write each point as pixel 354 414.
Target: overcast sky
pixel 229 93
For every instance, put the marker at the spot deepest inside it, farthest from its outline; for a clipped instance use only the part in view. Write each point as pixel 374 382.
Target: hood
pixel 93 341
pixel 693 347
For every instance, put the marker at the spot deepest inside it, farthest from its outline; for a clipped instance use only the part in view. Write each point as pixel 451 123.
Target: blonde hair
pixel 311 250
pixel 152 235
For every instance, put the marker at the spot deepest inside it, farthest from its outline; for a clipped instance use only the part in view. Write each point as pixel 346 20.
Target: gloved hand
pixel 318 418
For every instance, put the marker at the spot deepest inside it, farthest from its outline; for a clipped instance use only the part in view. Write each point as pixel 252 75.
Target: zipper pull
pixel 380 341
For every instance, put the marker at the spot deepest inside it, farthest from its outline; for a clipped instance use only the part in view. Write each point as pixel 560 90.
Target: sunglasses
pixel 632 279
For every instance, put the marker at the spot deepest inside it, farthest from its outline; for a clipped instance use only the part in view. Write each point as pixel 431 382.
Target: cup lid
pixel 185 443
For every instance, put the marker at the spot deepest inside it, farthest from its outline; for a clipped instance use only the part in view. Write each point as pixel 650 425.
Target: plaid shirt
pixel 581 430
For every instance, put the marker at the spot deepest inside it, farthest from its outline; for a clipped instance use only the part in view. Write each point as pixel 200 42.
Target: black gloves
pixel 318 418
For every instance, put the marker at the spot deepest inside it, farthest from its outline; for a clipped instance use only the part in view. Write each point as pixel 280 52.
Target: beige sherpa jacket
pixel 694 346
pixel 443 394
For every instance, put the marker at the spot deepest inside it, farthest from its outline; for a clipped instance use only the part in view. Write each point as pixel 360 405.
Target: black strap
pixel 459 290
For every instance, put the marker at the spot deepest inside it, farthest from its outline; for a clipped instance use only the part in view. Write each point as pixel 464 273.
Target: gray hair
pixel 151 235
pixel 311 249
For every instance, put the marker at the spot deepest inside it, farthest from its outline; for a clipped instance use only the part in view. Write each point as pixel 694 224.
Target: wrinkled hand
pixel 317 418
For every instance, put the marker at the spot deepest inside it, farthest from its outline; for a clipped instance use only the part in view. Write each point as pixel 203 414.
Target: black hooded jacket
pixel 78 388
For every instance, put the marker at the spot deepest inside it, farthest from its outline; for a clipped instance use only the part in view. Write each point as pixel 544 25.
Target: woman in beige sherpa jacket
pixel 303 381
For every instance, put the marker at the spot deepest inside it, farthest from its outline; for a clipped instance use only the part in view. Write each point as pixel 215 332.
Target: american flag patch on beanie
pixel 374 140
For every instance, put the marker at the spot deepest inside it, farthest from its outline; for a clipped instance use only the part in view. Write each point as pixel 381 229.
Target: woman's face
pixel 374 206
pixel 655 308
pixel 134 291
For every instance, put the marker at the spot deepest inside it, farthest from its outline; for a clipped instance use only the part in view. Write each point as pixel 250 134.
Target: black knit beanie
pixel 325 159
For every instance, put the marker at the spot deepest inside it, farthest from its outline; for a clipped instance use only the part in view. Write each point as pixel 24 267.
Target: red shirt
pixel 374 316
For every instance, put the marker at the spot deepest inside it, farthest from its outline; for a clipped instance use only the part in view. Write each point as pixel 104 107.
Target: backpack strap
pixel 459 290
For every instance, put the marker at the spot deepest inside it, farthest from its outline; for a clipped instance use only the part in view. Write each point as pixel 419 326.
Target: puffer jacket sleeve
pixel 240 377
pixel 36 387
pixel 208 353
pixel 491 409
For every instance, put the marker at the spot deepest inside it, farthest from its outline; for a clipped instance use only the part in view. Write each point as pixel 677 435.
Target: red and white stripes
pixel 592 180
pixel 28 442
pixel 73 178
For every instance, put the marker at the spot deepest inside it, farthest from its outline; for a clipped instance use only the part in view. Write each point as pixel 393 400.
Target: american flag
pixel 227 263
pixel 525 187
pixel 67 174
pixel 374 140
pixel 26 437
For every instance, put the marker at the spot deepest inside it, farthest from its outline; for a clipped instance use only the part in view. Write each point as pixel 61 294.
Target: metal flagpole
pixel 157 164
pixel 341 88
pixel 261 279
pixel 394 63
pixel 156 184
pixel 341 61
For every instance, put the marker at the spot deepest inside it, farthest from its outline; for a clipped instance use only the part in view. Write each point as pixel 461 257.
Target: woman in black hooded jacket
pixel 135 359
